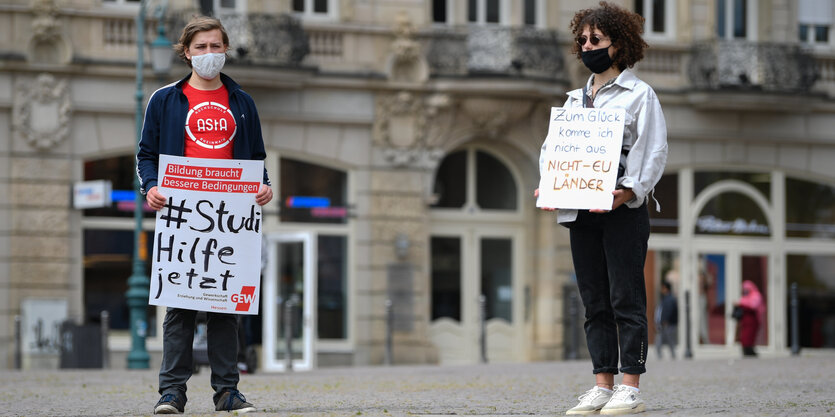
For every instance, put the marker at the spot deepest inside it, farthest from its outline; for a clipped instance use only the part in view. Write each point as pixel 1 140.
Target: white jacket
pixel 644 135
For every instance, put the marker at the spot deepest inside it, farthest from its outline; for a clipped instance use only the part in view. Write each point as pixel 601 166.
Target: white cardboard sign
pixel 207 241
pixel 580 158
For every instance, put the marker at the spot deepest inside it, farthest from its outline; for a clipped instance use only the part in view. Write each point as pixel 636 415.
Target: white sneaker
pixel 624 401
pixel 591 402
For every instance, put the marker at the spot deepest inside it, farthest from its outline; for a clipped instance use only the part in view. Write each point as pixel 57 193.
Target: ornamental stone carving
pixel 755 66
pixel 514 52
pixel 45 24
pixel 47 45
pixel 491 117
pixel 406 61
pixel 400 127
pixel 41 113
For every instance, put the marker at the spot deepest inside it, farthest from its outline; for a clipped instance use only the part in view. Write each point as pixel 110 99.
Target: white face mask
pixel 208 66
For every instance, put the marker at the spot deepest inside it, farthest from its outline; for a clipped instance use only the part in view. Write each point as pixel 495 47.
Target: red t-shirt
pixel 210 125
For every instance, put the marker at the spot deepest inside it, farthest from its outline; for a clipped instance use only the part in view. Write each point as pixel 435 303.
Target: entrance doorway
pixel 476 259
pixel 720 272
pixel 289 290
pixel 475 283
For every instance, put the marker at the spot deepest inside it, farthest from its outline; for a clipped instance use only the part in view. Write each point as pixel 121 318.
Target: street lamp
pixel 138 283
pixel 161 51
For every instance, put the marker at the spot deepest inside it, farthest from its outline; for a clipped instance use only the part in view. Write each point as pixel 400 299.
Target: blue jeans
pixel 178 359
pixel 609 251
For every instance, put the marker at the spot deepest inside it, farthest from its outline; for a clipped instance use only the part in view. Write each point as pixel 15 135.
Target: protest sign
pixel 580 157
pixel 207 242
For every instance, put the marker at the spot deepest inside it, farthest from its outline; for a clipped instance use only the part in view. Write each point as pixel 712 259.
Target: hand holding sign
pixel 207 240
pixel 155 199
pixel 580 158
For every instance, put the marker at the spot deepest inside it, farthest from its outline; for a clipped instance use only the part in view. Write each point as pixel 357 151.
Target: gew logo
pixel 244 299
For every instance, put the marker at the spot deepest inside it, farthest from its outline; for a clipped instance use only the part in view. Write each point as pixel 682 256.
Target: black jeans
pixel 609 251
pixel 177 355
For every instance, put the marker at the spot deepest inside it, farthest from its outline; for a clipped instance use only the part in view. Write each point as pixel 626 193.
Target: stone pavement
pixel 796 386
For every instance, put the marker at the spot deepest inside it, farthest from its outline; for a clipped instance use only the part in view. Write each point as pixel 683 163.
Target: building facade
pixel 420 122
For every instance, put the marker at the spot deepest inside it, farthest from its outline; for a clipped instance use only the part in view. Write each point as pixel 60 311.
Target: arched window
pixel 732 213
pixel 473 178
pixel 451 181
pixel 759 180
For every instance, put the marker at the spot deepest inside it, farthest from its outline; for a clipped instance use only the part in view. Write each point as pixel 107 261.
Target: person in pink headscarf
pixel 753 316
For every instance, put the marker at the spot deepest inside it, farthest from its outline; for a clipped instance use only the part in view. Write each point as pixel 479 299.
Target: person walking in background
pixel 750 313
pixel 609 247
pixel 666 319
pixel 169 129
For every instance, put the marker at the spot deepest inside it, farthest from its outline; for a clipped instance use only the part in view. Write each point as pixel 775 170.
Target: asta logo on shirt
pixel 211 125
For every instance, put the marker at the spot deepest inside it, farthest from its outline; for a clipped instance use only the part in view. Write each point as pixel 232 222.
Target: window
pixel 496 280
pixel 759 180
pixel 451 181
pixel 495 184
pixel 814 21
pixel 473 178
pixel 816 295
pixel 229 7
pixel 315 8
pixel 810 209
pixel 486 11
pixel 332 287
pixel 661 266
pixel 530 12
pixel 108 262
pixel 315 197
pixel 446 277
pixel 755 269
pixel 711 298
pixel 666 192
pixel 821 34
pixel 534 13
pixel 121 172
pixel 734 214
pixel 108 241
pixel 659 17
pixel 312 193
pixel 440 11
pixel 736 19
pixel 222 8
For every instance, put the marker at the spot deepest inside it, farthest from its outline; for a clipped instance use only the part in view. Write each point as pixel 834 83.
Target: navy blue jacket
pixel 669 310
pixel 163 130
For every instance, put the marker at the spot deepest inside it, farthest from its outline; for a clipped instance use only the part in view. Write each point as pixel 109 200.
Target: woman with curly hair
pixel 609 246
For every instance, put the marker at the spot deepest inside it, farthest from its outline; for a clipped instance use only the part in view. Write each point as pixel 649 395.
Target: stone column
pixel 398 245
pixel 41 244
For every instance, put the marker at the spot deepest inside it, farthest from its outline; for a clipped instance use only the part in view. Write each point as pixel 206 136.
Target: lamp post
pixel 138 283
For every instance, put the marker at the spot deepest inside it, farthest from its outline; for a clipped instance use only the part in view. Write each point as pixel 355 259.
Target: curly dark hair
pixel 622 26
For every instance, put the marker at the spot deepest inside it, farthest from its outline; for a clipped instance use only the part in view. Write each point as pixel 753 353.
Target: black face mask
pixel 597 60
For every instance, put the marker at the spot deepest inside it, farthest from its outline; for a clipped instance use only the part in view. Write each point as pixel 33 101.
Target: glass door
pixel 721 277
pixel 712 309
pixel 472 277
pixel 497 265
pixel 452 298
pixel 289 303
pixel 755 269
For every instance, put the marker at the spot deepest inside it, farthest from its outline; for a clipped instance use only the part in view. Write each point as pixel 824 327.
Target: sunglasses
pixel 595 39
